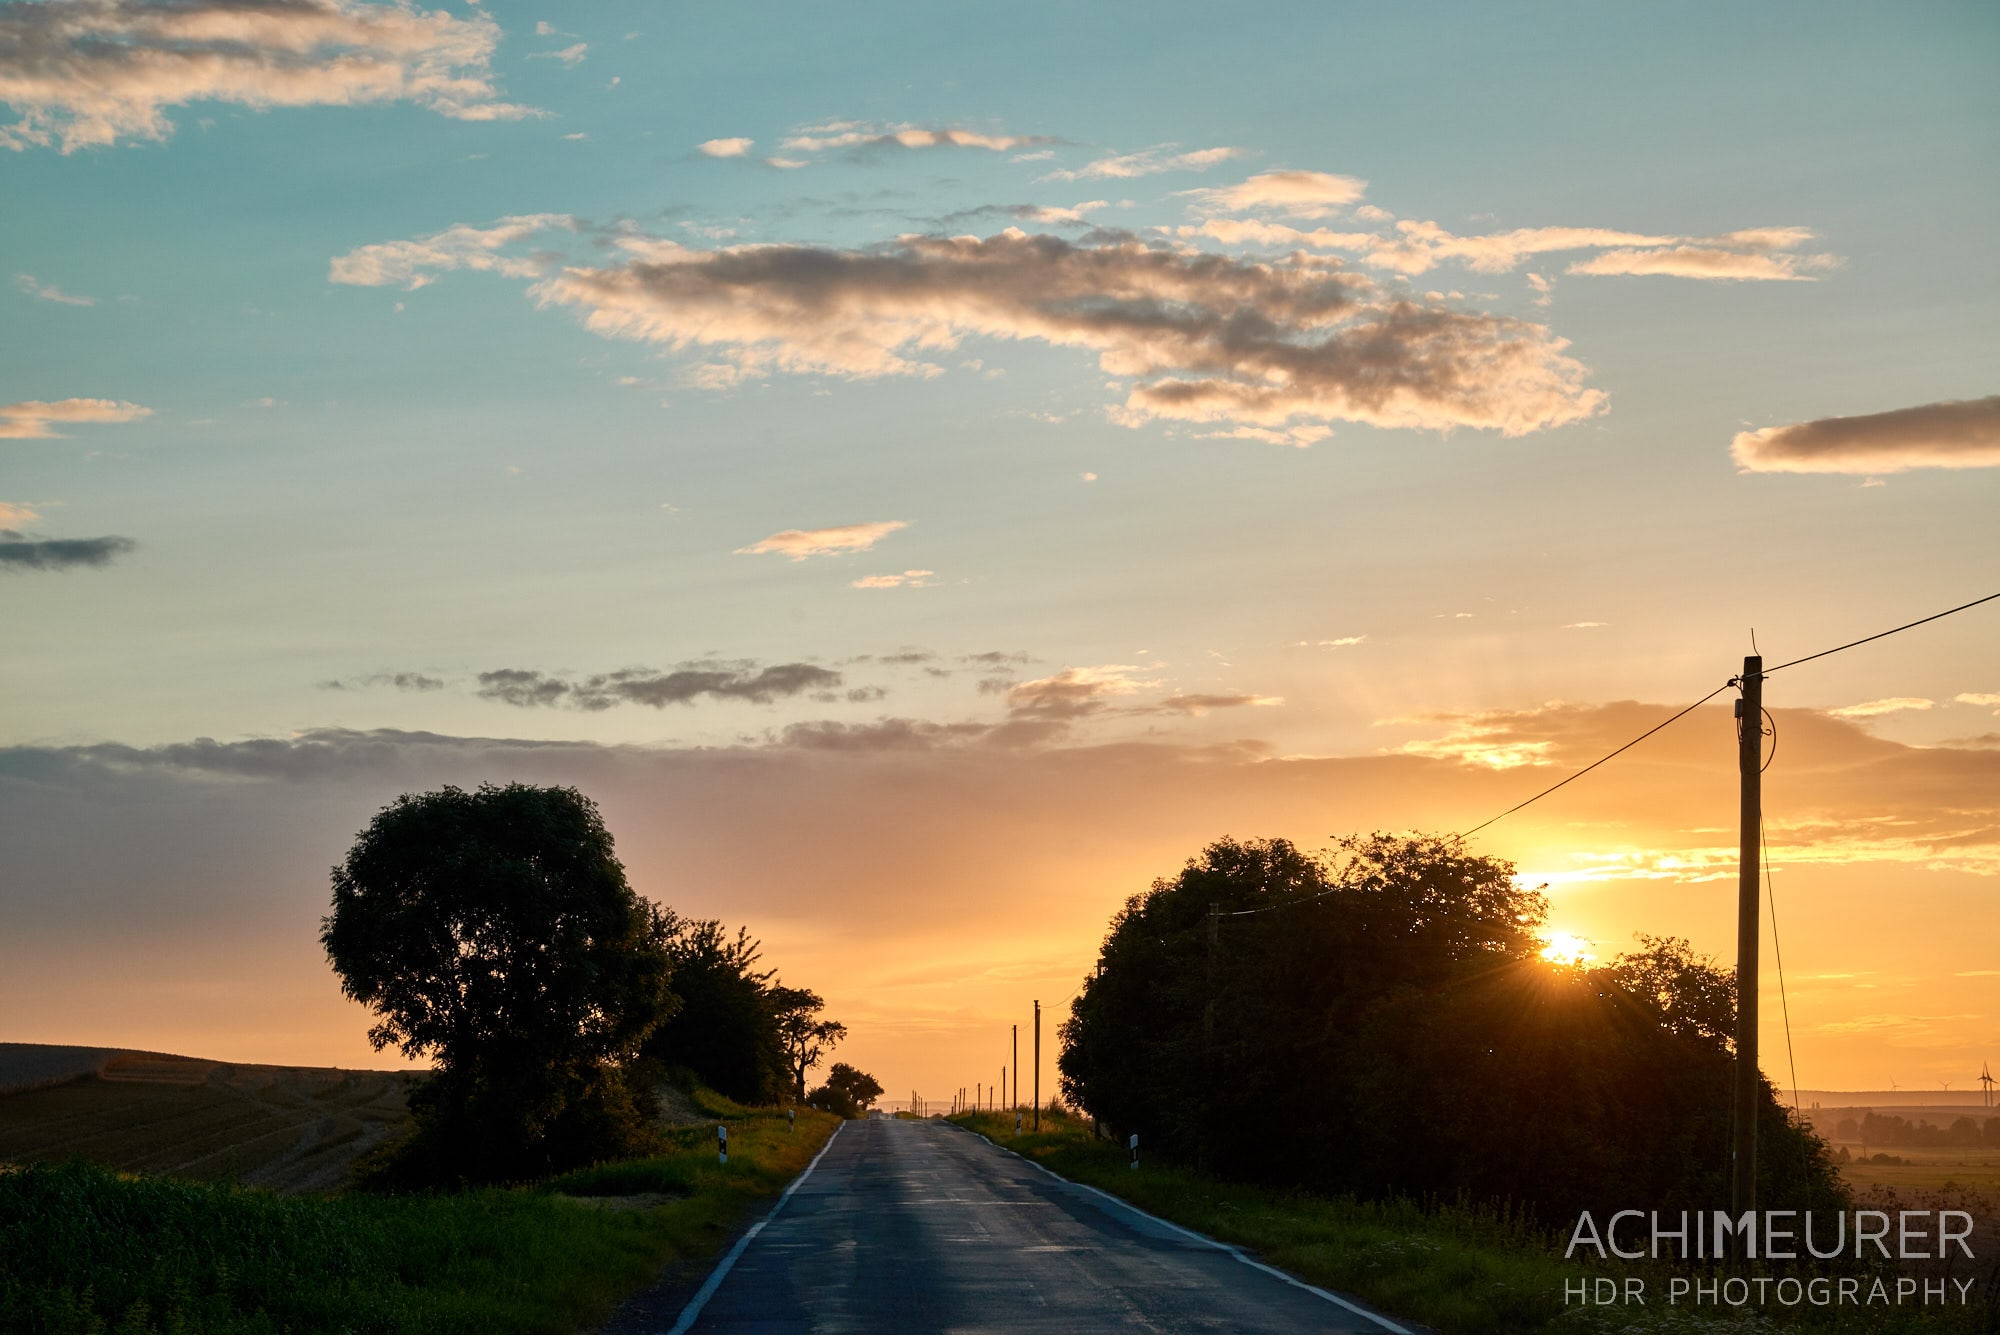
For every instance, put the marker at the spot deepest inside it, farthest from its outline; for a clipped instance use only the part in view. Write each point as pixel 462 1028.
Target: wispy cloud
pixel 1958 433
pixel 1414 248
pixel 1897 704
pixel 1148 162
pixel 1207 338
pixel 725 148
pixel 799 543
pixel 909 579
pixel 88 73
pixel 34 419
pixel 1296 194
pixel 41 291
pixel 20 553
pixel 461 246
pixel 571 56
pixel 402 681
pixel 1988 699
pixel 869 135
pixel 684 685
pixel 13 514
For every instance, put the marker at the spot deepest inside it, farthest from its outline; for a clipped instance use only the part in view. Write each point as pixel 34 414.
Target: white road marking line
pixel 1293 1280
pixel 692 1311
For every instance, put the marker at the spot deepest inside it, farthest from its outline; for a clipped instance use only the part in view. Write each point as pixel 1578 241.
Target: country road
pixel 920 1226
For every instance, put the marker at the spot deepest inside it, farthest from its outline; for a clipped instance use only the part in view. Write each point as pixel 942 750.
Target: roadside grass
pixel 1454 1267
pixel 87 1251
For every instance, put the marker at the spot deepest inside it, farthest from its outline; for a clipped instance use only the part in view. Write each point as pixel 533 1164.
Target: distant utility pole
pixel 1749 766
pixel 1038 1065
pixel 1017 1065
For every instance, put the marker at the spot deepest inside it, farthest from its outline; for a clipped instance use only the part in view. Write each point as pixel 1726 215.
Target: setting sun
pixel 1567 948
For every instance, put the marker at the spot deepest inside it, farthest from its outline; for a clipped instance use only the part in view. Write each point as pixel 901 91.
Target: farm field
pixel 291 1129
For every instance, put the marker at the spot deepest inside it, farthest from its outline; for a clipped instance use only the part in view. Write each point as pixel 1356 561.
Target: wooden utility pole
pixel 1017 1065
pixel 1038 1065
pixel 1749 765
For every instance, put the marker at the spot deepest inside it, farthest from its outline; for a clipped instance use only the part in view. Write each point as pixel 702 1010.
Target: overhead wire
pixel 1600 760
pixel 1733 681
pixel 1882 634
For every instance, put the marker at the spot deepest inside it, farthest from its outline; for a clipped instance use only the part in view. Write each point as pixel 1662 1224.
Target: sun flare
pixel 1567 948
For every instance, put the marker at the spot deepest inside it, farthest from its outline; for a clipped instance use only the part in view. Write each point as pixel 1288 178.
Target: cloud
pixel 1207 338
pixel 88 73
pixel 801 543
pixel 892 734
pixel 1705 262
pixel 1985 698
pixel 1958 433
pixel 1149 162
pixel 725 148
pixel 1299 437
pixel 1200 704
pixel 1418 247
pixel 402 681
pixel 15 513
pixel 909 579
pixel 1295 194
pixel 571 56
pixel 41 291
pixel 683 685
pixel 1585 625
pixel 868 135
pixel 33 418
pixel 460 246
pixel 22 553
pixel 1875 708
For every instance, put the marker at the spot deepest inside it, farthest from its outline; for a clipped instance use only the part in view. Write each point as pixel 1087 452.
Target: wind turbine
pixel 1986 1083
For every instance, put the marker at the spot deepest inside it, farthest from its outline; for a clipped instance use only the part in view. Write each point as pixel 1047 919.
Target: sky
pixel 926 474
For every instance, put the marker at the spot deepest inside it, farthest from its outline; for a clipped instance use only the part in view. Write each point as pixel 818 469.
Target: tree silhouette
pixel 725 1030
pixel 805 1039
pixel 847 1091
pixel 1382 1014
pixel 494 933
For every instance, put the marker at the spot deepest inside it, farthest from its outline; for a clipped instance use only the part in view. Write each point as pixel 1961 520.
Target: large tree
pixel 725 1030
pixel 1382 1019
pixel 494 933
pixel 806 1038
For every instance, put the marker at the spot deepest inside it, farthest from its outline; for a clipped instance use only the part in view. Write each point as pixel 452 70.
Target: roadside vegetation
pixel 86 1251
pixel 539 1175
pixel 1452 1265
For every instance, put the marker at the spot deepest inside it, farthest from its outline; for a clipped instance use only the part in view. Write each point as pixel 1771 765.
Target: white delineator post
pixel 1134 1143
pixel 722 1143
pixel 791 1119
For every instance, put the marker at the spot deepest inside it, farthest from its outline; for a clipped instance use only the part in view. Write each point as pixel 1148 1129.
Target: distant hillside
pixel 291 1128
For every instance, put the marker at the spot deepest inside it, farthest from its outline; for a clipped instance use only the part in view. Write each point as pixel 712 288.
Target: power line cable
pixel 1778 954
pixel 1881 634
pixel 1595 763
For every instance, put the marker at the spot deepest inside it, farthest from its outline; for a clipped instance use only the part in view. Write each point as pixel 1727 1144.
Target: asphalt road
pixel 908 1227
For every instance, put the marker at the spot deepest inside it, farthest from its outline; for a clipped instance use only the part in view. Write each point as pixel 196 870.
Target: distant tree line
pixel 1378 1020
pixel 1901 1133
pixel 494 933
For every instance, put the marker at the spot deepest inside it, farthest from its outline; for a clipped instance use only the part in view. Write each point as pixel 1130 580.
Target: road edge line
pixel 1233 1250
pixel 692 1312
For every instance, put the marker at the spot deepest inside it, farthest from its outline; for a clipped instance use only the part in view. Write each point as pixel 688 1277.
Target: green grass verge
pixel 85 1251
pixel 1454 1268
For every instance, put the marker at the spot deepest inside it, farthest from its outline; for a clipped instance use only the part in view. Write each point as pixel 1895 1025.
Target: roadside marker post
pixel 722 1143
pixel 1134 1143
pixel 1017 1121
pixel 791 1119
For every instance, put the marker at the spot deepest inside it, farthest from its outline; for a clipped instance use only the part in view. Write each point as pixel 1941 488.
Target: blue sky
pixel 369 450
